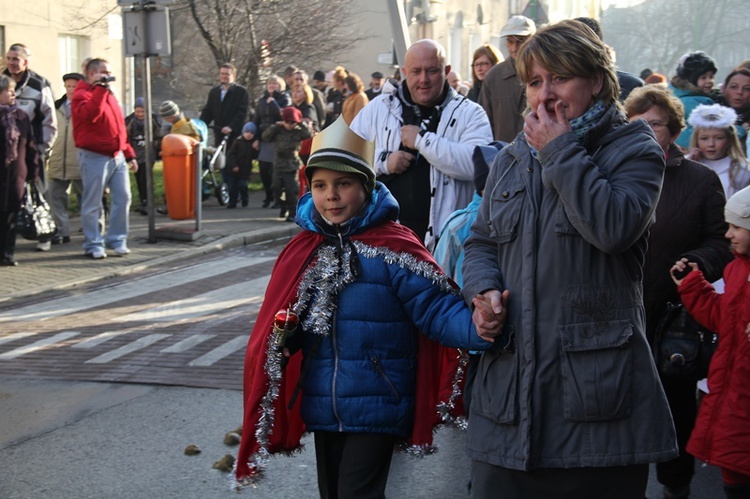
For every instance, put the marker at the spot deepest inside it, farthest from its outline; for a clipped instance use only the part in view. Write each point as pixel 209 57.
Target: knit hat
pixel 138 102
pixel 291 114
pixel 483 157
pixel 518 26
pixel 338 148
pixel 712 116
pixel 656 79
pixel 737 209
pixel 168 108
pixel 249 127
pixel 693 65
pixel 319 76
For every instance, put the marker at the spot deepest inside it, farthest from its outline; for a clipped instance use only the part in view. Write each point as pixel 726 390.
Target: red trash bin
pixel 178 158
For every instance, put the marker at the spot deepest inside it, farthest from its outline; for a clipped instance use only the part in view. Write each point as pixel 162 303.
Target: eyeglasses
pixel 481 64
pixel 656 124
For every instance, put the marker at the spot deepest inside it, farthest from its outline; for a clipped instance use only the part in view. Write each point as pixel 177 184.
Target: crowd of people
pixel 556 192
pixel 571 201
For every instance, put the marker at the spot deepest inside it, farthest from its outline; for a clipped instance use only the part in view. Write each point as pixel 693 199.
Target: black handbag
pixel 683 348
pixel 35 220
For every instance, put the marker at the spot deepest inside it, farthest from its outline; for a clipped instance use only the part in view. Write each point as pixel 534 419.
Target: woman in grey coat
pixel 567 403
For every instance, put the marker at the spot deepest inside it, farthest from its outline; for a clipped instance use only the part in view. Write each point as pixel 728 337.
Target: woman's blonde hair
pixel 305 88
pixel 279 80
pixel 570 48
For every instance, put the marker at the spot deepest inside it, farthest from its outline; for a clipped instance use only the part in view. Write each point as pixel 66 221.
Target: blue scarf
pixel 583 123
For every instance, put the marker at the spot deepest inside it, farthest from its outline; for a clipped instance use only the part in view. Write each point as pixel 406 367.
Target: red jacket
pixel 98 122
pixel 721 436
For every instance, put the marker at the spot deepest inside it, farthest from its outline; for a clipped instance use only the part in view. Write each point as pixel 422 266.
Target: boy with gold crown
pixel 352 291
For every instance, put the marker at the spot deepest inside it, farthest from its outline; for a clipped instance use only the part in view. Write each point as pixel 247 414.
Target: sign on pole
pixel 146 32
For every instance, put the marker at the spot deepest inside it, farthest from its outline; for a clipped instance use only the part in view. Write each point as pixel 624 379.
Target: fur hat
pixel 249 127
pixel 338 148
pixel 737 209
pixel 291 114
pixel 712 116
pixel 518 26
pixel 693 65
pixel 169 108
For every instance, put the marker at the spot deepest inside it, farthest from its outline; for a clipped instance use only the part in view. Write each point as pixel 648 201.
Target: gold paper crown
pixel 339 136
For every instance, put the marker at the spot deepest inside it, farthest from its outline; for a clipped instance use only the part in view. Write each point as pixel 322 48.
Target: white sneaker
pixel 44 246
pixel 121 251
pixel 97 254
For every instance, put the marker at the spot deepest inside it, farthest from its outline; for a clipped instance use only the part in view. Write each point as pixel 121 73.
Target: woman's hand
pixel 489 314
pixel 540 129
pixel 681 268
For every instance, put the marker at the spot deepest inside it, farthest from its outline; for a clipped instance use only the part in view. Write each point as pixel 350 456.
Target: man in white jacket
pixel 425 134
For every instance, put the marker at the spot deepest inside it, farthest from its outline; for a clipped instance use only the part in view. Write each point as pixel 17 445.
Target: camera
pixel 107 79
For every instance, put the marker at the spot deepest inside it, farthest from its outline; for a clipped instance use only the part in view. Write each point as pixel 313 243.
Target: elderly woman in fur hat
pixel 693 83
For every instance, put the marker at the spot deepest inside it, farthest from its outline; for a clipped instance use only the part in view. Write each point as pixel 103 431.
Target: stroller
pixel 214 160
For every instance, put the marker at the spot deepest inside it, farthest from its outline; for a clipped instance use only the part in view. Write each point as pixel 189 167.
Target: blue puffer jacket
pixel 361 309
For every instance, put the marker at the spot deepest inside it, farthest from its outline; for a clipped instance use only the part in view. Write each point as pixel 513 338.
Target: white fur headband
pixel 713 116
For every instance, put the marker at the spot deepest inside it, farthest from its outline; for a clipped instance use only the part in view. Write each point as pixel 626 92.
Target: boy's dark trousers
pixel 266 177
pixel 286 183
pixel 140 180
pixel 237 187
pixel 353 464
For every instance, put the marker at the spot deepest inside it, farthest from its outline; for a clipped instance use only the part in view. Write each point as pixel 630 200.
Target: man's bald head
pixel 426 71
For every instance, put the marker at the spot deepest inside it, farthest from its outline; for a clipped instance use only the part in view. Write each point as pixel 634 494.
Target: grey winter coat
pixel 567 235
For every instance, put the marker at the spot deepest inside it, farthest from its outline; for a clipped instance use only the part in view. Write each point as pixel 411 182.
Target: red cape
pixel 269 426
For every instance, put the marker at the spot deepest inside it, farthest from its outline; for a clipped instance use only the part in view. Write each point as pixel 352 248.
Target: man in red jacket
pixel 104 154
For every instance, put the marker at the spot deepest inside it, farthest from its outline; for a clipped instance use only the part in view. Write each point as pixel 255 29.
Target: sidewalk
pixel 66 266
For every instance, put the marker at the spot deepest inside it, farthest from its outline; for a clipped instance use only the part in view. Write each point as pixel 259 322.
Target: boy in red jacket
pixel 722 431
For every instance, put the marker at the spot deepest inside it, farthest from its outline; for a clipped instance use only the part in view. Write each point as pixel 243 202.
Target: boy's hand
pixel 256 145
pixel 236 169
pixel 681 268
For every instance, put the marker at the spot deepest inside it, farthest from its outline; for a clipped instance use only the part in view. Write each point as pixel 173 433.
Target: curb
pixel 227 242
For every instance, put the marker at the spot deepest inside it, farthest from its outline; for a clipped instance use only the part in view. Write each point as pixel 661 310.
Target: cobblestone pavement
pixel 185 324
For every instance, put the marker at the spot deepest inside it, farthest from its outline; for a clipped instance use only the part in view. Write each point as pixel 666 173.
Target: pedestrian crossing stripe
pixel 51 342
pixel 131 347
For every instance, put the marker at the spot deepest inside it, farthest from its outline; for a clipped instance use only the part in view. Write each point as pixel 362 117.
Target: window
pixel 72 51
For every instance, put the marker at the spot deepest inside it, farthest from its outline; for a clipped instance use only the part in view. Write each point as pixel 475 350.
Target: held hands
pixel 681 268
pixel 540 128
pixel 399 161
pixel 490 309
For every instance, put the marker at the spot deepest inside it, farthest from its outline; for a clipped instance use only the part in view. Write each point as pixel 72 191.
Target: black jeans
pixel 8 233
pixel 353 465
pixel 266 177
